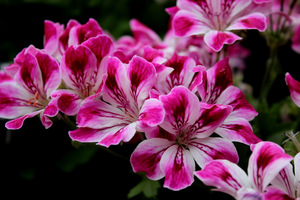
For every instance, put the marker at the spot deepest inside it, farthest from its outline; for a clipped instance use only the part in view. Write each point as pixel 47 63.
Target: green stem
pixel 269 77
pixel 67 120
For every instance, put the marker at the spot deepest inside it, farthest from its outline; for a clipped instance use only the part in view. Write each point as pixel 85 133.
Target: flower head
pixel 215 19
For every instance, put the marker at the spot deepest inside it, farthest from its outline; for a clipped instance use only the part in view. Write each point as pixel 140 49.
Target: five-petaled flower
pixel 36 76
pixel 215 19
pixel 125 108
pixel 183 138
pixel 266 161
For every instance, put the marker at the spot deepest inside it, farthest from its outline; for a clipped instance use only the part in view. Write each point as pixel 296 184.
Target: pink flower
pixel 28 94
pixel 184 72
pixel 83 72
pixel 294 87
pixel 183 139
pixel 143 36
pixel 266 161
pixel 57 40
pixel 215 19
pixel 218 89
pixel 125 107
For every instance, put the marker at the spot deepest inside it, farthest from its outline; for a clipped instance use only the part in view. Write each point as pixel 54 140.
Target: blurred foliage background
pixel 35 162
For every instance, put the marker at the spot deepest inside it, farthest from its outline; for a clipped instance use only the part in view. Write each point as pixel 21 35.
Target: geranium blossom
pixel 266 161
pixel 294 87
pixel 215 19
pixel 218 89
pixel 125 108
pixel 57 40
pixel 183 139
pixel 83 72
pixel 28 94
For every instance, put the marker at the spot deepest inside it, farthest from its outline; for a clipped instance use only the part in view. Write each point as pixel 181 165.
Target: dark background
pixel 35 162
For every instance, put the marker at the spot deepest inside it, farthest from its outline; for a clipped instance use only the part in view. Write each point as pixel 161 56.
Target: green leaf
pixel 147 187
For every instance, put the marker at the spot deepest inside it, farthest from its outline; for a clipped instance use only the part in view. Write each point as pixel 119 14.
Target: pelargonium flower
pixel 215 19
pixel 28 94
pixel 83 72
pixel 218 89
pixel 184 72
pixel 183 139
pixel 266 161
pixel 142 36
pixel 125 108
pixel 294 87
pixel 57 40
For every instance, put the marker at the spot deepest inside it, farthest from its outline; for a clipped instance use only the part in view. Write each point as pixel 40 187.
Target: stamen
pixel 34 101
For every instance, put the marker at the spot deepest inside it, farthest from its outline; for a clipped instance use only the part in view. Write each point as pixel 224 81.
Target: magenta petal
pixel 52 32
pixel 277 194
pixel 98 115
pixel 152 113
pixel 186 23
pixel 294 87
pixel 50 72
pixel 209 119
pixel 252 21
pixel 218 78
pixel 79 66
pixel 115 135
pixel 296 40
pixel 101 46
pixel 285 180
pixel 266 161
pixel 143 34
pixel 182 107
pixel 212 148
pixel 142 76
pixel 178 166
pixel 147 155
pixel 51 109
pixel 85 135
pixel 216 39
pixel 234 97
pixel 18 122
pixel 226 176
pixel 69 103
pixel 239 130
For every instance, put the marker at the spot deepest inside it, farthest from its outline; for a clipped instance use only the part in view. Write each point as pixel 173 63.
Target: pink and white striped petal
pixel 151 114
pixel 52 32
pixel 68 101
pixel 212 148
pixel 285 180
pixel 186 23
pixel 80 33
pixel 234 97
pixel 142 76
pixel 251 21
pixel 266 161
pixel 238 130
pixel 79 66
pixel 226 176
pixel 147 155
pixel 18 122
pixel 178 166
pixel 277 194
pixel 297 172
pixel 98 115
pixel 182 108
pixel 210 117
pixel 294 87
pixel 217 39
pixel 218 78
pixel 296 40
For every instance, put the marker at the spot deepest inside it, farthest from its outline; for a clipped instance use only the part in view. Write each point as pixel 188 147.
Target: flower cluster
pixel 176 94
